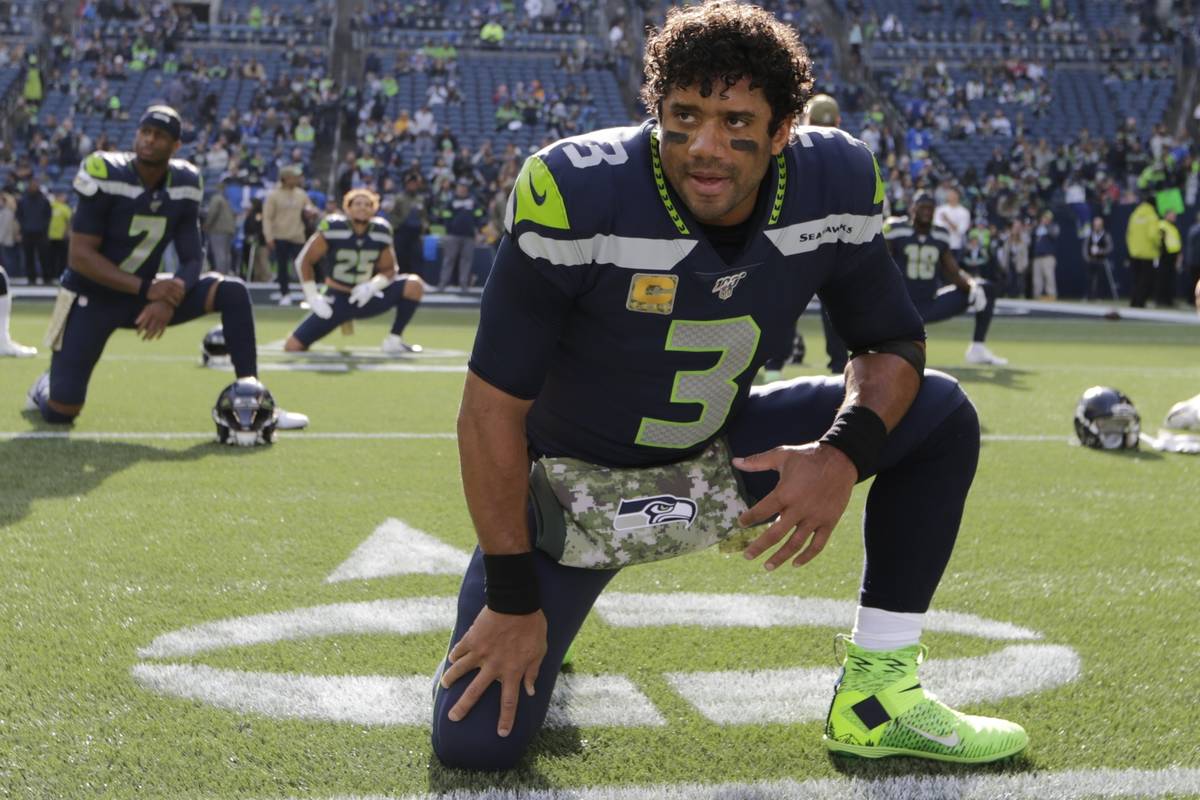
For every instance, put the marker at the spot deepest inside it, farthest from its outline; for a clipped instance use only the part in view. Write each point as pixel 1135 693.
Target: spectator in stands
pixel 1016 257
pixel 283 225
pixel 33 219
pixel 1143 240
pixel 304 133
pixel 220 225
pixel 955 218
pixel 1045 260
pixel 1097 254
pixel 1000 124
pixel 491 35
pixel 463 217
pixel 10 253
pixel 56 234
pixel 410 219
pixel 976 257
pixel 424 127
pixel 1168 261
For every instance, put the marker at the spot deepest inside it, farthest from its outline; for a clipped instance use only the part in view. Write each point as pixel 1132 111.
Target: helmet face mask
pixel 1105 419
pixel 245 414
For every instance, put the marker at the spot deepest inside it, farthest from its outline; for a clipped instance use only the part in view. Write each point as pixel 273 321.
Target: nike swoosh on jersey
pixel 537 198
pixel 945 741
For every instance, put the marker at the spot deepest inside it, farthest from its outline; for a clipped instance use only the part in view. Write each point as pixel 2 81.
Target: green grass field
pixel 119 535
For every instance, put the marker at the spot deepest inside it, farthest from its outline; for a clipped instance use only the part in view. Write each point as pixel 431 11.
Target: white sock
pixel 876 629
pixel 5 307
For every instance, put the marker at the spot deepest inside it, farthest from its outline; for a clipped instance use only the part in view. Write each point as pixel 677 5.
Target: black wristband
pixel 859 433
pixel 510 583
pixel 144 289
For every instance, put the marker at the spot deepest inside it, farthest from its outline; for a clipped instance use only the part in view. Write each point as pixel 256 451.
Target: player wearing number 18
pixel 938 286
pixel 131 207
pixel 362 278
pixel 609 417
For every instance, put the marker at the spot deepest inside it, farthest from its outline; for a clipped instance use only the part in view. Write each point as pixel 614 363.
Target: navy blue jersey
pixel 918 255
pixel 137 223
pixel 352 257
pixel 639 342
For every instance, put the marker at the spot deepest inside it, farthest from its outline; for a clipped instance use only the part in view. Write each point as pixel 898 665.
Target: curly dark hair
pixel 726 40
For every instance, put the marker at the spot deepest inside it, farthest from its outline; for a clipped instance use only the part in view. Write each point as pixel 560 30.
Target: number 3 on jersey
pixel 154 228
pixel 714 389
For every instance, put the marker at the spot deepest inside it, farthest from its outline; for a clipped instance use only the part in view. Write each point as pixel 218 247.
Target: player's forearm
pixel 495 466
pixel 92 265
pixel 884 383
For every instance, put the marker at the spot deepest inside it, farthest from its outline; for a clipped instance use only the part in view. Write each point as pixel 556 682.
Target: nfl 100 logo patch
pixel 652 294
pixel 724 286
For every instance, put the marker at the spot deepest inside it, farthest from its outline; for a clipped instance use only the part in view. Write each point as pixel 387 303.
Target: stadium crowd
pixel 1034 195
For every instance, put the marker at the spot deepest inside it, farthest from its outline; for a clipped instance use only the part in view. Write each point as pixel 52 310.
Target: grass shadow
pixel 34 467
pixel 1003 377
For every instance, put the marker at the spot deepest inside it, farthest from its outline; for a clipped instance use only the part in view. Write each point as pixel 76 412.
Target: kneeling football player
pixel 362 278
pixel 131 207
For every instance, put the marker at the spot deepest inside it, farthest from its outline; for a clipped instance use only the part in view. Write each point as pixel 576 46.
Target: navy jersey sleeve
pixel 188 246
pixel 521 318
pixel 91 215
pixel 543 262
pixel 865 295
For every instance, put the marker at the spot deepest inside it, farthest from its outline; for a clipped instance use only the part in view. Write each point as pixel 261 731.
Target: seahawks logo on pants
pixel 646 512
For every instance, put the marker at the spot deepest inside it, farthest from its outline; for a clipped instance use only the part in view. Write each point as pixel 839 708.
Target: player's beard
pixel 743 183
pixel 152 163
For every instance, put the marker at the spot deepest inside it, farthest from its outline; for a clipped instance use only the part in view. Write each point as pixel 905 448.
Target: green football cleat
pixel 879 709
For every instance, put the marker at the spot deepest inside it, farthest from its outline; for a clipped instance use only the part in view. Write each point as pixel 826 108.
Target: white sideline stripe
pixel 625 610
pixel 398 549
pixel 165 436
pixel 1070 785
pixel 753 697
pixel 322 435
pixel 578 701
pixel 400 616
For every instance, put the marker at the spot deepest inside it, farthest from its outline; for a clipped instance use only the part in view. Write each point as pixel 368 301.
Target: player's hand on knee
pixel 362 294
pixel 154 319
pixel 508 648
pixel 317 302
pixel 977 297
pixel 167 290
pixel 814 487
pixel 320 306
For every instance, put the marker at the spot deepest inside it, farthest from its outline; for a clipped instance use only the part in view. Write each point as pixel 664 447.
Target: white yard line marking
pixel 367 435
pixel 398 549
pixel 1069 785
pixel 167 436
pixel 401 616
pixel 578 700
pixel 625 610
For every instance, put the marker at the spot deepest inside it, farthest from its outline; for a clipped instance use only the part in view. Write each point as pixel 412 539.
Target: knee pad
pixel 419 290
pixel 231 292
